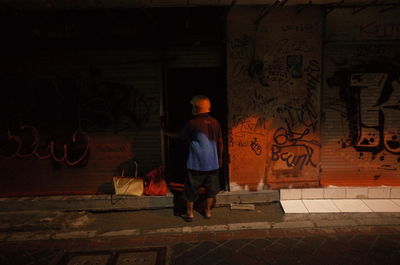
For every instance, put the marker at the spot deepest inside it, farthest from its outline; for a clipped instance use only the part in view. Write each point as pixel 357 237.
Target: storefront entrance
pixel 182 85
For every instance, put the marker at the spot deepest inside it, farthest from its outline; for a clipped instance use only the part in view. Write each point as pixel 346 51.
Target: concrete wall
pixel 274 81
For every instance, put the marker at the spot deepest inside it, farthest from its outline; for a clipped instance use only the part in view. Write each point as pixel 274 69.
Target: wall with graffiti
pixel 361 98
pixel 274 76
pixel 70 121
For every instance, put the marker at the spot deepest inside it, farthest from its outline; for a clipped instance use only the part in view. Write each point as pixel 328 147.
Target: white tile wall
pixel 356 193
pixel 341 199
pixel 395 193
pixel 378 193
pixel 312 193
pixel 290 194
pixel 334 193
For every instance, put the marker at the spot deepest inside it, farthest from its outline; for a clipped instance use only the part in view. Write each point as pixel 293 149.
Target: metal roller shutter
pixel 119 110
pixel 194 56
pixel 361 95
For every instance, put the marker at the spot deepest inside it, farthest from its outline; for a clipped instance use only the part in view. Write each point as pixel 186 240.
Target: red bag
pixel 154 183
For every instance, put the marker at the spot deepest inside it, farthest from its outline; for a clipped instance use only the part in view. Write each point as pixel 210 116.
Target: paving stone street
pixel 352 246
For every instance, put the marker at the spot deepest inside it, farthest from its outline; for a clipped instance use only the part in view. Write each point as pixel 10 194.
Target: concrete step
pixel 109 202
pixel 341 200
pixel 341 206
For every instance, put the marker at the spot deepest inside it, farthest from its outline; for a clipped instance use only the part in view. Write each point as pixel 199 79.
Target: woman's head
pixel 201 104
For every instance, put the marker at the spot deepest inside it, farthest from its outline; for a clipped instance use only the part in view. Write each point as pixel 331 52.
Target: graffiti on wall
pixel 274 76
pixel 50 116
pixel 287 145
pixel 246 135
pixel 26 142
pixel 371 100
pixel 370 23
pixel 296 148
pixel 111 105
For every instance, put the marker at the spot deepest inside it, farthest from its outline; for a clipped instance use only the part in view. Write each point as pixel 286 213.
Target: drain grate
pixel 143 256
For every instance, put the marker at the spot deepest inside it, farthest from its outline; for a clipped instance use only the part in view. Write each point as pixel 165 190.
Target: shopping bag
pixel 155 184
pixel 128 185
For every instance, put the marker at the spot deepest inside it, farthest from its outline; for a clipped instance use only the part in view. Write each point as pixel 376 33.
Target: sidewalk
pixel 264 235
pixel 54 225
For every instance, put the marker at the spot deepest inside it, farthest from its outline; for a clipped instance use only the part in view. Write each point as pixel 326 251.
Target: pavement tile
pixel 310 244
pixel 215 256
pixel 312 231
pixel 295 233
pixel 252 250
pixel 328 231
pixel 277 247
pixel 396 201
pixel 243 259
pixel 82 245
pixel 395 256
pixel 351 206
pixel 182 260
pixel 180 248
pixel 152 240
pixel 331 245
pixel 384 230
pixel 264 243
pixel 190 237
pixel 277 256
pixel 120 242
pixel 236 244
pixel 249 234
pixel 377 205
pixel 288 242
pixel 207 236
pixel 336 223
pixel 212 228
pixel 223 235
pixel 294 206
pixel 197 251
pixel 276 233
pixel 294 224
pixel 385 245
pixel 171 239
pixel 74 234
pixel 366 230
pixel 345 230
pixel 127 232
pixel 247 226
pixel 320 206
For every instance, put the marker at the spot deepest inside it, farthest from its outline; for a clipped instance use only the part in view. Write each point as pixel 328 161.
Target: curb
pixel 109 202
pixel 313 224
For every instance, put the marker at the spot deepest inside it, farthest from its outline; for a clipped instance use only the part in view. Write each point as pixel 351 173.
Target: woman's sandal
pixel 187 218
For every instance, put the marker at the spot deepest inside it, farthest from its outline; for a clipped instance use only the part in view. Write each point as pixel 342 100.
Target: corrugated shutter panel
pixel 140 68
pixel 135 137
pixel 361 127
pixel 361 130
pixel 194 56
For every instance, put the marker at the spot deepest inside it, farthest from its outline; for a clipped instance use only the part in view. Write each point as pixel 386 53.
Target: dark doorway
pixel 182 85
